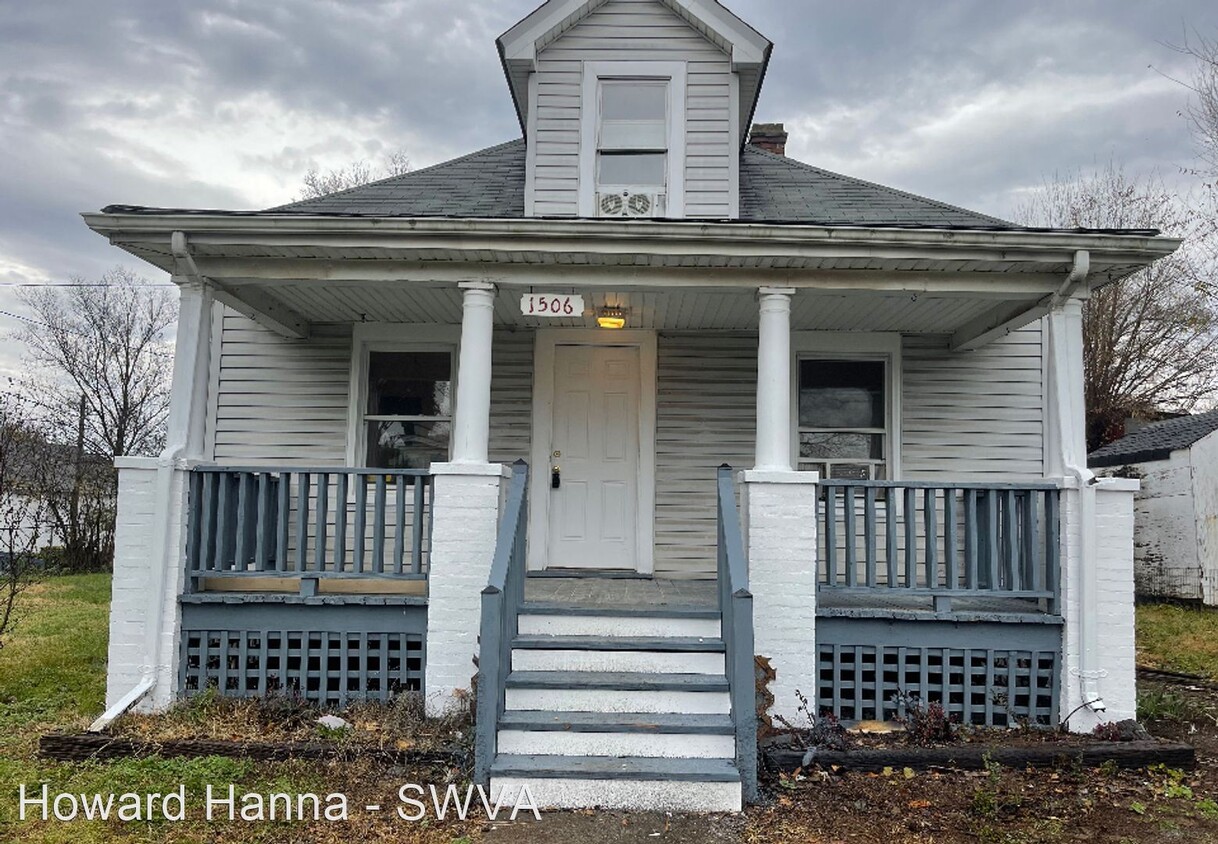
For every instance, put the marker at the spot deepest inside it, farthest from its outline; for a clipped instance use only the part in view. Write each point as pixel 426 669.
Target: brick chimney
pixel 771 137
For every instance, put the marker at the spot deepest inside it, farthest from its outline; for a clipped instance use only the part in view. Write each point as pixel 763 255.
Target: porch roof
pixel 289 270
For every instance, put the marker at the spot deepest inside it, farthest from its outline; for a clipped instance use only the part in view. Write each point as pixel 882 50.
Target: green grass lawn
pixel 1173 638
pixel 52 678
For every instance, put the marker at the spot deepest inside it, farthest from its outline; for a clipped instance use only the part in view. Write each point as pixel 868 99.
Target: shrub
pixel 925 723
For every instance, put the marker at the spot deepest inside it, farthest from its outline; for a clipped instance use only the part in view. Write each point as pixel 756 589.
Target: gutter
pixel 665 240
pixel 175 450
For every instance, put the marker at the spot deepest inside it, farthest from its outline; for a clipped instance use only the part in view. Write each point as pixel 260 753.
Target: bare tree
pixel 103 347
pixel 24 473
pixel 1202 109
pixel 317 183
pixel 1150 340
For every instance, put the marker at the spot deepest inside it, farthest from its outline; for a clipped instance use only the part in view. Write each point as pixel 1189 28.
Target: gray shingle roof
pixel 773 189
pixel 487 183
pixel 1156 441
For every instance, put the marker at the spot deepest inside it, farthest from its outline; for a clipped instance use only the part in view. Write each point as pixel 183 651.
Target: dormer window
pixel 633 140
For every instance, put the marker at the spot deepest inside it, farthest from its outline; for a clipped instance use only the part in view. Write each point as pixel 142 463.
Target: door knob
pixel 555 477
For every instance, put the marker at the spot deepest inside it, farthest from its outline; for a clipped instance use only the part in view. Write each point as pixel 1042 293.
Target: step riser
pixel 606 626
pixel 665 746
pixel 631 795
pixel 617 700
pixel 651 662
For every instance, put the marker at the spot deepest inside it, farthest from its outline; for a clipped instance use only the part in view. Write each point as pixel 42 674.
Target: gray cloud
pixel 226 103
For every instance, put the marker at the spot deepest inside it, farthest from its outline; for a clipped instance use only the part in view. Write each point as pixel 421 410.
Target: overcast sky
pixel 227 103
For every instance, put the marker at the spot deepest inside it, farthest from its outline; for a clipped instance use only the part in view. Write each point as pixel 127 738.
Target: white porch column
pixel 465 516
pixel 779 507
pixel 150 528
pixel 465 522
pixel 472 426
pixel 1097 601
pixel 774 381
pixel 780 529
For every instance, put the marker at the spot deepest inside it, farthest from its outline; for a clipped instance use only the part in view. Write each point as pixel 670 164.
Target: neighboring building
pixel 627 298
pixel 1176 511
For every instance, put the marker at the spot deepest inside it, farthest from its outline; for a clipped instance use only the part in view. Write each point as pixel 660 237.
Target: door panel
pixel 596 449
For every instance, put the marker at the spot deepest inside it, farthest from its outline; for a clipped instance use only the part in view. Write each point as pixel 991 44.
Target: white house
pixel 1175 545
pixel 624 300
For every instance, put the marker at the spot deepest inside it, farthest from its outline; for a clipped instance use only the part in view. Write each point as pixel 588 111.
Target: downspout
pixel 175 449
pixel 1085 574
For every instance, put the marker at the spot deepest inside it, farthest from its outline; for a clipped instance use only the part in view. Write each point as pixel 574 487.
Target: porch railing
pixel 501 601
pixel 736 608
pixel 942 540
pixel 309 524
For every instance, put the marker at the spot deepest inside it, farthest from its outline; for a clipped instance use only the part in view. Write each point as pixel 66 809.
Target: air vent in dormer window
pixel 630 204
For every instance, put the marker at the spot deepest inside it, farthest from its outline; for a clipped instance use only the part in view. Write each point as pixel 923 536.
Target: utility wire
pixel 79 284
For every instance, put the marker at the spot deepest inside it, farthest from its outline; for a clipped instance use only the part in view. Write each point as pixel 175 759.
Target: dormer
pixel 634 108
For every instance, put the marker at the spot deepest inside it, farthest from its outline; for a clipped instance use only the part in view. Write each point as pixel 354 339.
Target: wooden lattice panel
pixel 330 668
pixel 860 679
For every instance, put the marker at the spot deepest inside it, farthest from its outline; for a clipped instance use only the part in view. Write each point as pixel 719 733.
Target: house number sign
pixel 552 305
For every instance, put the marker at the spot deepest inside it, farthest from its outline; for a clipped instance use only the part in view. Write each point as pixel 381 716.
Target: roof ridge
pixel 408 174
pixel 803 165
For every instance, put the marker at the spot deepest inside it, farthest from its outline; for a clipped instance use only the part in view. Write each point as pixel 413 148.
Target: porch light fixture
pixel 611 318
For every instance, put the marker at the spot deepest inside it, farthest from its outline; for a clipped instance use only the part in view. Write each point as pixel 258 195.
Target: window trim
pixel 384 337
pixel 833 345
pixel 594 72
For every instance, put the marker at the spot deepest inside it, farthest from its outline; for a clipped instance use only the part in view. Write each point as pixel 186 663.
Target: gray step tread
pixel 608 768
pixel 662 644
pixel 620 680
pixel 674 611
pixel 615 722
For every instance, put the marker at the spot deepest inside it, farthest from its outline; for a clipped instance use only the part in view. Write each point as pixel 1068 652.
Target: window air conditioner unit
pixel 630 204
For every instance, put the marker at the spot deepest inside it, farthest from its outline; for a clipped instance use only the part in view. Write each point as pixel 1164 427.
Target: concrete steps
pixel 635 784
pixel 624 709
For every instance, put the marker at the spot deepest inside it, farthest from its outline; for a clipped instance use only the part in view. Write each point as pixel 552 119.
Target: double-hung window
pixel 844 418
pixel 632 143
pixel 407 416
pixel 632 139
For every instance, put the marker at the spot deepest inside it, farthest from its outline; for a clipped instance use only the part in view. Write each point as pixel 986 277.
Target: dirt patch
pixel 1003 804
pixel 399 726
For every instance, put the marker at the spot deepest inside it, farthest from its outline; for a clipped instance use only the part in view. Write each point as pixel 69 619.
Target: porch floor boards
pixel 620 593
pixel 892 604
pixel 644 593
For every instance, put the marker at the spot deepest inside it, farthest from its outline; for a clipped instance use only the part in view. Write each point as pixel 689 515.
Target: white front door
pixel 594 458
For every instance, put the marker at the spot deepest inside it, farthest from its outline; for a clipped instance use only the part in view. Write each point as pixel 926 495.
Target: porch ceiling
pixel 672 310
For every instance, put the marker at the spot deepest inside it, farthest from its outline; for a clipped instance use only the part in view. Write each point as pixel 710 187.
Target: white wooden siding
pixel 632 30
pixel 1203 458
pixel 285 401
pixel 706 404
pixel 1165 556
pixel 511 395
pixel 282 401
pixel 973 415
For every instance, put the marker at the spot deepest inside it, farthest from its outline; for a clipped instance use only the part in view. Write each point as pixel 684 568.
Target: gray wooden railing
pixel 307 523
pixel 736 607
pixel 942 540
pixel 501 600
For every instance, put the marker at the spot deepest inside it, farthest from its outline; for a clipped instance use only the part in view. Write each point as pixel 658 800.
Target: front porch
pixel 383 472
